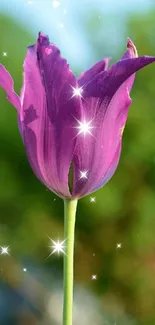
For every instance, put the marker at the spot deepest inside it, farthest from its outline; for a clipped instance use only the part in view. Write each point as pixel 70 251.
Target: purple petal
pixel 88 75
pixel 105 84
pixel 131 50
pixel 105 102
pixel 111 169
pixel 130 53
pixel 7 84
pixel 49 112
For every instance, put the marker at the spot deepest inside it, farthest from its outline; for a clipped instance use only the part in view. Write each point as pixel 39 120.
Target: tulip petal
pixel 105 105
pixel 49 111
pixel 111 170
pixel 88 75
pixel 6 82
pixel 130 53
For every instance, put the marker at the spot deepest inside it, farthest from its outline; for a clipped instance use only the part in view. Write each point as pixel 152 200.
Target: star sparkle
pixel 25 269
pixel 77 91
pixel 94 277
pixel 119 245
pixel 5 53
pixel 5 250
pixel 83 174
pixel 84 127
pixel 58 247
pixel 93 199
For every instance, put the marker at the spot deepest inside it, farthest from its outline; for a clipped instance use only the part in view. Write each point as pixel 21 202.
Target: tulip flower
pixel 72 128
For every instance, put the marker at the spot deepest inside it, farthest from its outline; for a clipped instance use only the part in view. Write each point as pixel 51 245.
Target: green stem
pixel 69 226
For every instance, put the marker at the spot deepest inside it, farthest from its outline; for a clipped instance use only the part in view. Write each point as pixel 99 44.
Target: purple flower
pixel 67 122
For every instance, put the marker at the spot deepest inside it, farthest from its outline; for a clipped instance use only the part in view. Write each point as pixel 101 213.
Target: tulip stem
pixel 69 229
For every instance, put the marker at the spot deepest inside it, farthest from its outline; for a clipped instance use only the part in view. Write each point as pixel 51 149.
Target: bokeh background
pixel 124 211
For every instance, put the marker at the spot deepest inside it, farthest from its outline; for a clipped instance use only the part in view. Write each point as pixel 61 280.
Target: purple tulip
pixel 67 122
pixel 72 128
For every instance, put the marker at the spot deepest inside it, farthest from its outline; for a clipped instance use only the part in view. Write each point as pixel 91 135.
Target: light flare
pixel 5 250
pixel 58 247
pixel 83 174
pixel 77 91
pixel 93 199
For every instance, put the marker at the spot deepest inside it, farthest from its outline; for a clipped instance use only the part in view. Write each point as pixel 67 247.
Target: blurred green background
pixel 124 211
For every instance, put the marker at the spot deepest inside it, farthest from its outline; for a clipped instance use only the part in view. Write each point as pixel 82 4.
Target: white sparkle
pixel 77 91
pixel 83 174
pixel 5 54
pixel 119 245
pixel 93 199
pixel 61 25
pixel 24 269
pixel 84 127
pixel 56 4
pixel 58 247
pixel 4 250
pixel 94 277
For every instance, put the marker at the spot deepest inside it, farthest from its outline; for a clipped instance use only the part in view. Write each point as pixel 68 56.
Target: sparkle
pixel 65 11
pixel 30 2
pixel 84 127
pixel 4 250
pixel 58 247
pixel 56 4
pixel 5 53
pixel 83 174
pixel 93 254
pixel 93 199
pixel 119 245
pixel 94 277
pixel 77 91
pixel 24 269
